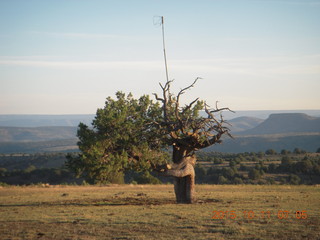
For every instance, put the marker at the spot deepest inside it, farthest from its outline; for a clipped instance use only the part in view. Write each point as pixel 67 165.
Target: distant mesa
pixel 240 124
pixel 58 133
pixel 286 123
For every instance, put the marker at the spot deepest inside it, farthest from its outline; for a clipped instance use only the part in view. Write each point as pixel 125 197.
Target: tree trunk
pixel 184 189
pixel 184 175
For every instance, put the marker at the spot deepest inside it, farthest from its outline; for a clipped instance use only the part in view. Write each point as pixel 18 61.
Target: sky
pixel 68 56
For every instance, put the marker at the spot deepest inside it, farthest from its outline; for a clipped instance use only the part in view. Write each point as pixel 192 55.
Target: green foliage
pixel 25 169
pixel 32 175
pixel 233 163
pixel 272 167
pixel 229 173
pixel 286 160
pixel 271 152
pixel 2 184
pixel 200 171
pixel 223 180
pixel 294 179
pixel 298 151
pixel 243 167
pixel 146 178
pixel 3 172
pixel 237 180
pixel 38 160
pixel 123 136
pixel 254 174
pixel 30 169
pixel 284 152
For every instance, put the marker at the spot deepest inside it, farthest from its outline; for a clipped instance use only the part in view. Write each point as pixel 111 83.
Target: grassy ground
pixel 150 212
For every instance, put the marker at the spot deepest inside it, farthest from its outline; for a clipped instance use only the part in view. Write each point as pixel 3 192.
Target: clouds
pixel 242 79
pixel 75 35
pixel 254 66
pixel 308 64
pixel 251 54
pixel 80 65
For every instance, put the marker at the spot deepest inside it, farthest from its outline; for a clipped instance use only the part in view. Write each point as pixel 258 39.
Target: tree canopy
pixel 123 136
pixel 132 133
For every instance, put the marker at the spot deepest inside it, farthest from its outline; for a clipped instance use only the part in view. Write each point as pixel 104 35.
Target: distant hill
pixel 63 145
pixel 73 120
pixel 286 123
pixel 36 134
pixel 279 131
pixel 309 142
pixel 45 120
pixel 244 123
pixel 38 139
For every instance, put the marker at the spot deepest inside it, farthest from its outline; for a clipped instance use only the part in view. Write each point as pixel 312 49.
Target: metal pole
pixel 164 49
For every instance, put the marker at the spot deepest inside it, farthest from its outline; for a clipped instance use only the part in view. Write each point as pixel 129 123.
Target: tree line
pixel 287 167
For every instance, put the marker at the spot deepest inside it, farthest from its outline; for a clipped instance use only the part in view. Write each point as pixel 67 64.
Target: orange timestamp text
pixel 280 214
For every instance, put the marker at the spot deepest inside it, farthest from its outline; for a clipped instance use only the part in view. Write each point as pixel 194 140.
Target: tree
pixel 254 174
pixel 122 137
pixel 271 152
pixel 286 161
pixel 131 134
pixel 294 179
pixel 223 180
pixel 298 151
pixel 187 132
pixel 284 152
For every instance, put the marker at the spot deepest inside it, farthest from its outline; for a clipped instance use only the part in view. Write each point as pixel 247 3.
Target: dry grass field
pixel 150 212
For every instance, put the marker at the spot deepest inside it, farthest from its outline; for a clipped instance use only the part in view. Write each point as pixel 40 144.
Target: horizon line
pixel 251 110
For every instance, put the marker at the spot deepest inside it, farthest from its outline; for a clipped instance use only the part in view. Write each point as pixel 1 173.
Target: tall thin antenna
pixel 164 49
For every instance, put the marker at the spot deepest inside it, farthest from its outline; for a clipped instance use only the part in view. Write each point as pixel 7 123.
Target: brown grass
pixel 149 212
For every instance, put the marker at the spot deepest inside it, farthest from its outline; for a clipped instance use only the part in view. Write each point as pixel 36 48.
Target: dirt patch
pixel 115 201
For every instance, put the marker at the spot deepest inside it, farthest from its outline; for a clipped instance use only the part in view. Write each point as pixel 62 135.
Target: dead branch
pixel 186 130
pixel 189 106
pixel 182 91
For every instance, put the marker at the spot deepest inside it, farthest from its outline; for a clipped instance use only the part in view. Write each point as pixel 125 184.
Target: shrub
pixel 228 173
pixel 237 180
pixel 243 167
pixel 271 152
pixel 232 163
pixel 254 174
pixel 147 178
pixel 272 167
pixel 285 160
pixel 222 180
pixel 200 171
pixel 284 152
pixel 218 160
pixel 294 179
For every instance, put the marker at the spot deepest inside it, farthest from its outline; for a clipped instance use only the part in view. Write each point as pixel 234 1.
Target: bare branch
pixel 177 103
pixel 221 109
pixel 183 128
pixel 190 105
pixel 157 98
pixel 186 88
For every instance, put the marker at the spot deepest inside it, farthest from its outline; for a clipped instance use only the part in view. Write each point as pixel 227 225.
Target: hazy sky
pixel 67 56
